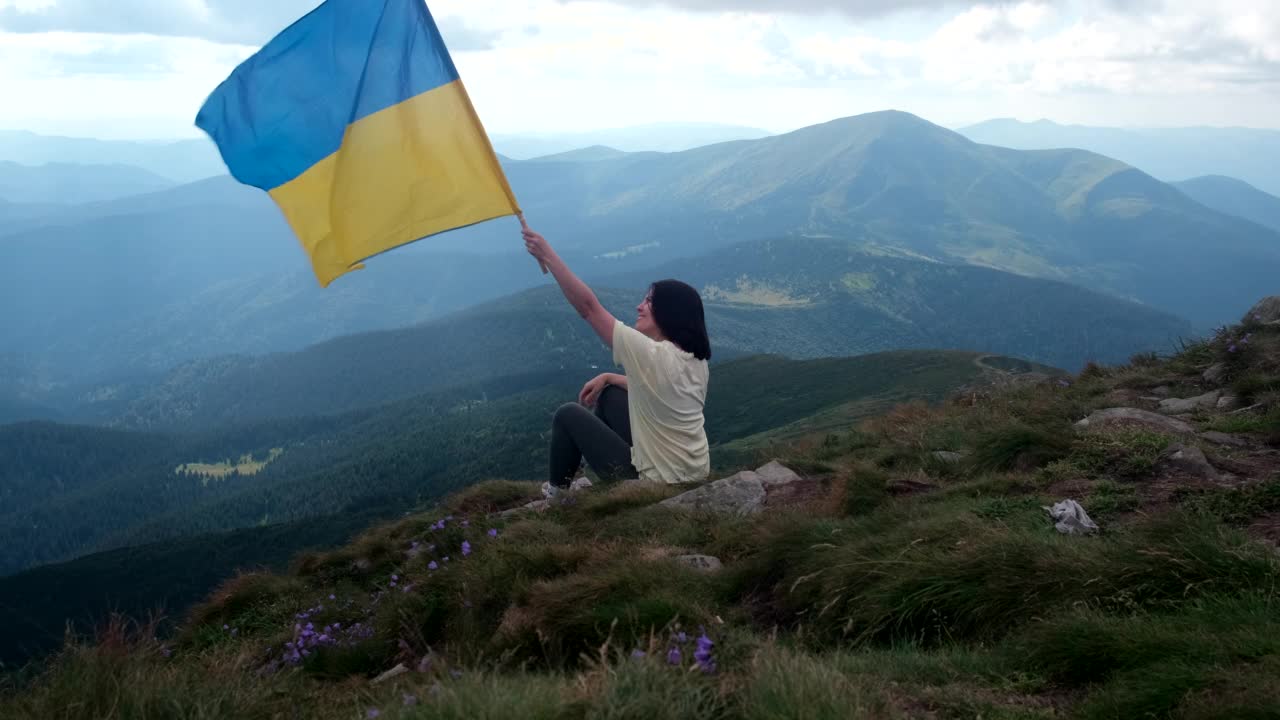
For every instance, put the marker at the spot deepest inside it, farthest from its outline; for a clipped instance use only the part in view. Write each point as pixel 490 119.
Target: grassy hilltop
pixel 891 582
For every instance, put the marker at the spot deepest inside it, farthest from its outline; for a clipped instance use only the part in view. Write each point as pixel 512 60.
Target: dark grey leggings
pixel 602 437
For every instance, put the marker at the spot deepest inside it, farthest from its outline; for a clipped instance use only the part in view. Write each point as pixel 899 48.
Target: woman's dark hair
pixel 677 309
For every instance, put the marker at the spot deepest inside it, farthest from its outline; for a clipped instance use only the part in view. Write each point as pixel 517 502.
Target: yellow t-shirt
pixel 666 391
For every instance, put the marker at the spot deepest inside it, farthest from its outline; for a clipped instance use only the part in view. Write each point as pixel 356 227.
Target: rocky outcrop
pixel 1178 406
pixel 1133 417
pixel 1219 438
pixel 1216 374
pixel 739 494
pixel 743 493
pixel 1267 311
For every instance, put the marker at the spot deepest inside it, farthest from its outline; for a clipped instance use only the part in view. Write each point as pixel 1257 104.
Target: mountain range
pixel 1234 197
pixel 802 298
pixel 144 283
pixel 67 184
pixel 1248 154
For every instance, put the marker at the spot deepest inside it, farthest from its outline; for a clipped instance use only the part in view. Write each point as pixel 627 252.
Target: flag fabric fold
pixel 355 121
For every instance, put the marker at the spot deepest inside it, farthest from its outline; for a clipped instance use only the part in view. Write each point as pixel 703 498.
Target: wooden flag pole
pixel 525 226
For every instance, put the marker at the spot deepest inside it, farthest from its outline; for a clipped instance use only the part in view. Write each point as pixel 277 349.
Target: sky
pixel 140 69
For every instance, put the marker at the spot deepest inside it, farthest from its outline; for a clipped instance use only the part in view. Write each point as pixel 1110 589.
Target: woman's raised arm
pixel 575 291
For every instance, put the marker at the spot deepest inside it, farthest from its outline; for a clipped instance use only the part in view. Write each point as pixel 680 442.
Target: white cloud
pixel 575 65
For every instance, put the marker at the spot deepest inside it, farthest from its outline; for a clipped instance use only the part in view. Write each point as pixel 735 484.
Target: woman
pixel 648 423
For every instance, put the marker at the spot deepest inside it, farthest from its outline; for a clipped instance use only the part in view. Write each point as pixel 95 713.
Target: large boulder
pixel 743 493
pixel 1266 311
pixel 739 494
pixel 1133 417
pixel 1178 406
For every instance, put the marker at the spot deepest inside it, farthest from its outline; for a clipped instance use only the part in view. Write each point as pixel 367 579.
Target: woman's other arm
pixel 575 291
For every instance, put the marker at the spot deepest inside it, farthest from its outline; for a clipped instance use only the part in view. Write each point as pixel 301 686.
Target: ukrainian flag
pixel 356 123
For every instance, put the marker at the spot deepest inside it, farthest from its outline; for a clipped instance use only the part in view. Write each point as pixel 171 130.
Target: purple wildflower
pixel 393 583
pixel 409 700
pixel 433 565
pixel 166 651
pixel 673 656
pixel 682 638
pixel 373 713
pixel 226 627
pixel 637 653
pixel 395 577
pixel 332 597
pixel 493 532
pixel 446 558
pixel 466 523
pixel 466 548
pixel 1232 348
pixel 703 654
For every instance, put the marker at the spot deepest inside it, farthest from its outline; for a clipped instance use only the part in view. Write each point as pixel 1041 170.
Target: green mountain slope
pixel 393 456
pixel 798 298
pixel 892 180
pixel 882 582
pixel 1234 197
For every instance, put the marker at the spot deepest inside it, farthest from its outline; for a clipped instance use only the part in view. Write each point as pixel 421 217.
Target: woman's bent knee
pixel 566 411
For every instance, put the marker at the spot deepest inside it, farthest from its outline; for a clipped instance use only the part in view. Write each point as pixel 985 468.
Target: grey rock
pixel 1190 460
pixel 1134 416
pixel 947 455
pixel 775 473
pixel 1176 406
pixel 1228 402
pixel 1216 373
pixel 705 563
pixel 1265 312
pixel 1162 391
pixel 535 506
pixel 1220 438
pixel 740 494
pixel 1071 519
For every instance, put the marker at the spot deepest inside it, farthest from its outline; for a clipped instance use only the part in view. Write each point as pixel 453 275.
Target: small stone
pixel 1228 402
pixel 1189 459
pixel 1070 518
pixel 947 456
pixel 1216 373
pixel 705 563
pixel 535 506
pixel 394 672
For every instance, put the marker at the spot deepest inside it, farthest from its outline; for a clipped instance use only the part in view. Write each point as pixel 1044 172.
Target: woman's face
pixel 644 317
